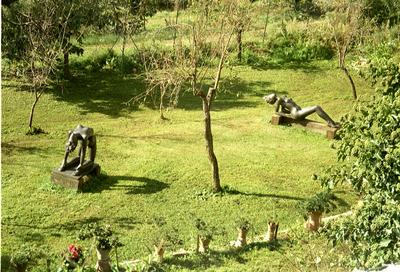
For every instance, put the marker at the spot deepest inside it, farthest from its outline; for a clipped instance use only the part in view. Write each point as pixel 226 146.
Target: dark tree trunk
pixel 342 56
pixel 66 70
pixel 353 86
pixel 37 96
pixel 239 43
pixel 265 26
pixel 177 8
pixel 210 144
pixel 162 94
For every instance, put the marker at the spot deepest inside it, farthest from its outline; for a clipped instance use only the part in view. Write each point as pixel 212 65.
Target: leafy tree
pixel 383 11
pixel 83 14
pixel 369 156
pixel 195 54
pixel 241 20
pixel 344 25
pixel 38 29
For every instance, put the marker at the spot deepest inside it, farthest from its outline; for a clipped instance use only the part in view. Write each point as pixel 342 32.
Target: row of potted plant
pixel 104 240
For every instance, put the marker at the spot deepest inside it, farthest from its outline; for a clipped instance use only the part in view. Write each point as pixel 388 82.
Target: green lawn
pixel 153 168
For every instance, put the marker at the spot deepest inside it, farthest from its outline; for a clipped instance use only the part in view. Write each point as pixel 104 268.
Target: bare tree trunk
pixel 66 71
pixel 37 97
pixel 162 117
pixel 210 144
pixel 177 8
pixel 239 42
pixel 353 86
pixel 123 53
pixel 342 56
pixel 265 25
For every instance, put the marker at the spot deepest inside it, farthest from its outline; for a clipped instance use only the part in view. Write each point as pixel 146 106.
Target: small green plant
pixel 321 202
pixel 73 257
pixel 166 234
pixel 24 256
pixel 102 236
pixel 243 224
pixel 204 230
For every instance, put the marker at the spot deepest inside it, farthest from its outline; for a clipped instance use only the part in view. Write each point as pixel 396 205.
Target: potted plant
pixel 21 258
pixel 104 240
pixel 317 205
pixel 205 234
pixel 72 258
pixel 165 237
pixel 24 256
pixel 272 232
pixel 243 226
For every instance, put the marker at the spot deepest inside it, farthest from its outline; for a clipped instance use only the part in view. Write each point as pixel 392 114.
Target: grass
pixel 153 168
pixel 159 168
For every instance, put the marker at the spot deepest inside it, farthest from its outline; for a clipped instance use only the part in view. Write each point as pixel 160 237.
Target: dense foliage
pixel 369 152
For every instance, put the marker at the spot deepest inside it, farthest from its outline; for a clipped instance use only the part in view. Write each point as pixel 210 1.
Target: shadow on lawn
pixel 230 95
pixel 217 258
pixel 232 191
pixel 137 185
pixel 107 93
pixel 10 148
pixel 281 64
pixel 102 92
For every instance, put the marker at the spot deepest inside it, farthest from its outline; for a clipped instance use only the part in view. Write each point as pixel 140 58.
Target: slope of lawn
pixel 153 168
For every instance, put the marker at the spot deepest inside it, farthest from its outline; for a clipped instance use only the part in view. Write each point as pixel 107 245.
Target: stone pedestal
pixel 69 179
pixel 314 126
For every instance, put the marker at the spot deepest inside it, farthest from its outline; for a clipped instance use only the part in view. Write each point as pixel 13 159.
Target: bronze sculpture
pixel 287 107
pixel 87 138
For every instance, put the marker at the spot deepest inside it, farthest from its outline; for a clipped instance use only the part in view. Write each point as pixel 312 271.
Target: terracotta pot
pixel 204 244
pixel 314 221
pixel 272 231
pixel 103 260
pixel 159 253
pixel 241 240
pixel 21 267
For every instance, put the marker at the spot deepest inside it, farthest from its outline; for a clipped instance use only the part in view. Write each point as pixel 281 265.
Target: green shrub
pixel 369 152
pixel 298 47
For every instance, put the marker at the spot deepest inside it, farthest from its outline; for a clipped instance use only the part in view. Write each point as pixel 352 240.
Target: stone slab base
pixel 314 126
pixel 68 180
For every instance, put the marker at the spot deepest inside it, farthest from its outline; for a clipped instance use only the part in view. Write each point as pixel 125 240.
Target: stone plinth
pixel 314 126
pixel 69 179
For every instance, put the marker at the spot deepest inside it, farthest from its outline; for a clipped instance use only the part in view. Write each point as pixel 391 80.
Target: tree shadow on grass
pixel 137 185
pixel 231 94
pixel 232 191
pixel 10 148
pixel 35 233
pixel 101 92
pixel 219 257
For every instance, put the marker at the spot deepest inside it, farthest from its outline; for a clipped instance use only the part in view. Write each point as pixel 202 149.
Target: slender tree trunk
pixel 123 53
pixel 353 86
pixel 210 144
pixel 162 94
pixel 342 57
pixel 177 8
pixel 265 25
pixel 37 96
pixel 66 70
pixel 239 43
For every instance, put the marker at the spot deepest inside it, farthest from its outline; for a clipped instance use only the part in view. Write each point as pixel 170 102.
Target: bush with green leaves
pixel 243 224
pixel 102 236
pixel 321 202
pixel 369 159
pixel 24 256
pixel 205 230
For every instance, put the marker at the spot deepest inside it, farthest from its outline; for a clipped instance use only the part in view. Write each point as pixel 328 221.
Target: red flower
pixel 75 251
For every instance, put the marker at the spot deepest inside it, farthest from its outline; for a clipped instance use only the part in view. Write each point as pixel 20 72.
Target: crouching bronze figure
pixel 84 135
